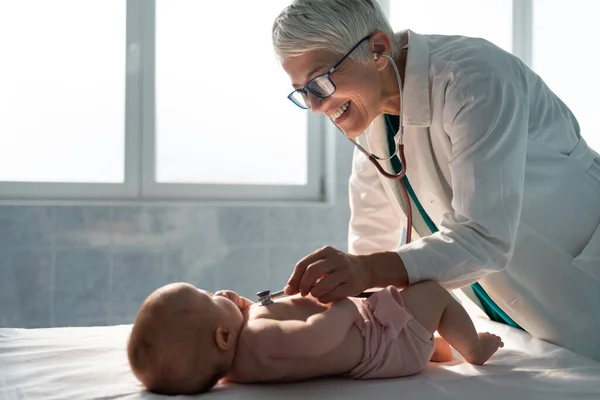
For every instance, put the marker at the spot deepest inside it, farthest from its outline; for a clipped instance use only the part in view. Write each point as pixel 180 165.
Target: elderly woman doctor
pixel 504 192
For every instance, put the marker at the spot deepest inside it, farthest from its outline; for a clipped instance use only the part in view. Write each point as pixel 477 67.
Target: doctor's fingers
pixel 293 284
pixel 339 292
pixel 313 273
pixel 327 284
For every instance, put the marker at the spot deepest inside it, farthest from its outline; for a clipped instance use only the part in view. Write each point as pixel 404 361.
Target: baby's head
pixel 183 339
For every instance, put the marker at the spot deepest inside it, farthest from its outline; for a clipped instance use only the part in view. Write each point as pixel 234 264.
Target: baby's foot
pixel 488 345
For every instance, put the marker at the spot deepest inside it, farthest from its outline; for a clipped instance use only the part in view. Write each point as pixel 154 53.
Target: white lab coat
pixel 497 162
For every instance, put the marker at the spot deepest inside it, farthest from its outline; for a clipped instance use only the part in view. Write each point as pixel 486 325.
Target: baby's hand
pixel 229 294
pixel 241 302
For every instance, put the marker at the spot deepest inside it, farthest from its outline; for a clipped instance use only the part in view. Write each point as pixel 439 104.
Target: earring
pixel 375 56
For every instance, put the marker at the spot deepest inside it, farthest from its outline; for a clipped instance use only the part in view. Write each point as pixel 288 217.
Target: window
pixel 488 19
pixel 150 99
pixel 62 86
pixel 565 56
pixel 172 99
pixel 222 117
pixel 248 114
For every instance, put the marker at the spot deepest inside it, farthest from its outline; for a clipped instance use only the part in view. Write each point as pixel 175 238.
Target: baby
pixel 184 340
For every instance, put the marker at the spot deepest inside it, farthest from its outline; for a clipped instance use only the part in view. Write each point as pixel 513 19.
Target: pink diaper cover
pixel 396 344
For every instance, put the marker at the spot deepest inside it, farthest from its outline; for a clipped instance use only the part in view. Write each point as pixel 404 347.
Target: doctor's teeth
pixel 340 110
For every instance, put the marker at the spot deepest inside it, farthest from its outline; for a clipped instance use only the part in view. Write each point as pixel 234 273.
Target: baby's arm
pixel 319 334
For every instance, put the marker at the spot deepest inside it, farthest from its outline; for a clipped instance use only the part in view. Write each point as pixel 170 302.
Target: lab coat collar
pixel 416 90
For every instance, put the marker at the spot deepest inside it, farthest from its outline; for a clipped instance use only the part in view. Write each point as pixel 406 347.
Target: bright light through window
pixel 222 115
pixel 62 91
pixel 565 55
pixel 488 19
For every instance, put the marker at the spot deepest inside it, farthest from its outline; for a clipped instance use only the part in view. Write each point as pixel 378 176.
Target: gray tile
pixel 25 288
pixel 302 225
pixel 82 286
pixel 239 269
pixel 282 260
pixel 136 274
pixel 242 226
pixel 83 226
pixel 287 225
pixel 341 191
pixel 122 320
pixel 195 265
pixel 328 225
pixel 26 227
pixel 244 270
pixel 139 218
pixel 197 227
pixel 343 160
pixel 343 167
pixel 142 227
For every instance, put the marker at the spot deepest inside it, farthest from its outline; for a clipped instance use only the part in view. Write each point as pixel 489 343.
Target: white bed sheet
pixel 90 363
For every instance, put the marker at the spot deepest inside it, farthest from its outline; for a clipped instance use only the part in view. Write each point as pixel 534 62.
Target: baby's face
pixel 228 311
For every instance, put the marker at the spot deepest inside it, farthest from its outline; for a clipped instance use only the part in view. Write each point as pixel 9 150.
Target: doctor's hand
pixel 329 274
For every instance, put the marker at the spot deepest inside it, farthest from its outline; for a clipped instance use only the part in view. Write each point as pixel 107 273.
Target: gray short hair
pixel 334 25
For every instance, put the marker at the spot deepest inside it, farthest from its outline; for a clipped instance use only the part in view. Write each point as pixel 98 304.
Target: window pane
pixel 222 115
pixel 565 55
pixel 62 90
pixel 488 19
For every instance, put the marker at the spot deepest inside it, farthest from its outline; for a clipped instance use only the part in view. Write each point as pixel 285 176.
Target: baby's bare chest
pixel 253 366
pixel 291 308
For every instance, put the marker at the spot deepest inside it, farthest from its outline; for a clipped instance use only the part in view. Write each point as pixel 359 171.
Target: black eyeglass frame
pixel 304 91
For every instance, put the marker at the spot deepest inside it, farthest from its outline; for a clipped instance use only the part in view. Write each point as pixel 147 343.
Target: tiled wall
pixel 86 265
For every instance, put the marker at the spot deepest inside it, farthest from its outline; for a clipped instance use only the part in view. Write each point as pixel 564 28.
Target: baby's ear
pixel 224 338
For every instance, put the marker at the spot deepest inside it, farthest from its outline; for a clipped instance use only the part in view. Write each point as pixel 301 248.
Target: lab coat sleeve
pixel 486 120
pixel 374 224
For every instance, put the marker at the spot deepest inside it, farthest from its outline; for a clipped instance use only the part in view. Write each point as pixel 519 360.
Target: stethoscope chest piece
pixel 264 297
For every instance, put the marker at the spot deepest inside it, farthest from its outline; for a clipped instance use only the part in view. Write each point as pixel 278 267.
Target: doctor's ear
pixel 380 61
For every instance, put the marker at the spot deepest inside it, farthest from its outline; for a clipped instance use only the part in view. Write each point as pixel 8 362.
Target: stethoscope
pixel 265 297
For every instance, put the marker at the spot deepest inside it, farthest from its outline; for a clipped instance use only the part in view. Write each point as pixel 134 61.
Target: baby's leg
pixel 435 309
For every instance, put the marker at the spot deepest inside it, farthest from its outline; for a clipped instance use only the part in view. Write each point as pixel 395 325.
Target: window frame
pixel 140 142
pixel 140 139
pixel 10 191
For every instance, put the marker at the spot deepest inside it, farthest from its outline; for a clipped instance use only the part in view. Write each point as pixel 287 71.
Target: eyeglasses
pixel 321 86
